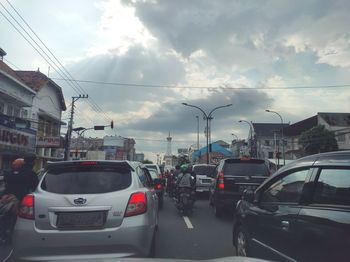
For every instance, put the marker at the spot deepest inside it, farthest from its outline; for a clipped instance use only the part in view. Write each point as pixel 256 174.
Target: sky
pixel 205 53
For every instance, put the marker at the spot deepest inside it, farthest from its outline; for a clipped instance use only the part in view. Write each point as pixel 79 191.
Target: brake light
pixel 26 208
pixel 221 183
pixel 88 163
pixel 157 186
pixel 137 204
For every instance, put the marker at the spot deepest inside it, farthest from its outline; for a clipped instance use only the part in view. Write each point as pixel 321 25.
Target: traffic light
pixel 99 127
pixel 112 124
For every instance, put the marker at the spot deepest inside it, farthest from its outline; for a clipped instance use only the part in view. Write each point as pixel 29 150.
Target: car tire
pixel 242 242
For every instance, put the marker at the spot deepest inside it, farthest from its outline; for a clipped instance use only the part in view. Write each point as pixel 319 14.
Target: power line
pixel 205 87
pixel 92 103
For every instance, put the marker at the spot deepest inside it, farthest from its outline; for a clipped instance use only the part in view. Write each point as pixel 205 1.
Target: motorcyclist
pixel 22 180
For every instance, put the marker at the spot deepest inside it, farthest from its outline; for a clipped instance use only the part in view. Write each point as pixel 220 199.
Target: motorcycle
pixel 185 200
pixel 8 209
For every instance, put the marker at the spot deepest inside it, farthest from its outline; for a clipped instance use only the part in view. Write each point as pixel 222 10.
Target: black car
pixel 301 213
pixel 158 185
pixel 232 177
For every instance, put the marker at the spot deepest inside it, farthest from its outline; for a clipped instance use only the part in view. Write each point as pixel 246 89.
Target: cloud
pixel 179 119
pixel 138 66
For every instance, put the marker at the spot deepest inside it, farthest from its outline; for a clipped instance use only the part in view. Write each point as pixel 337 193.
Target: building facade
pixel 338 123
pixel 267 140
pixel 45 114
pixel 16 136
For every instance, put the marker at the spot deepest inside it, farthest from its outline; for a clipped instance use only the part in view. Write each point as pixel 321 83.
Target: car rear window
pixel 153 174
pixel 204 170
pixel 246 168
pixel 86 180
pixel 154 167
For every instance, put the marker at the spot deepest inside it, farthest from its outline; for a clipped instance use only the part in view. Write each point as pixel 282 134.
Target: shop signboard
pixel 14 140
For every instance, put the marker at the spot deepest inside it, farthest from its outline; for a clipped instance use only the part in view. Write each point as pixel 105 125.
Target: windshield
pixel 153 174
pixel 91 180
pixel 174 86
pixel 246 168
pixel 204 170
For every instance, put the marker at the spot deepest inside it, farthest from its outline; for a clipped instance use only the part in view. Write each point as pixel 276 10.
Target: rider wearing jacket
pixel 22 180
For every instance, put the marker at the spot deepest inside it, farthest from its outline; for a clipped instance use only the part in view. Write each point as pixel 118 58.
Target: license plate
pixel 76 220
pixel 206 181
pixel 242 188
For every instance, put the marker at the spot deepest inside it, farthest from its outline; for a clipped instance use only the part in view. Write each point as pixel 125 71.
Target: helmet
pixel 29 159
pixel 16 164
pixel 184 168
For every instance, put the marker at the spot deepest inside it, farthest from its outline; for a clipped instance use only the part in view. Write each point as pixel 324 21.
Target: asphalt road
pixel 200 236
pixel 209 238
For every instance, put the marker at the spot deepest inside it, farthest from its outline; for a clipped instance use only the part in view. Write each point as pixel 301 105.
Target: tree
pixel 146 161
pixel 318 140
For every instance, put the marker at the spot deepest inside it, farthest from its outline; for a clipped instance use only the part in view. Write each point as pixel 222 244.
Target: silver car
pixel 87 208
pixel 203 181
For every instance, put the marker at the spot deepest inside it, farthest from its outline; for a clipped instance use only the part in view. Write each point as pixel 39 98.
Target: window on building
pixel 2 107
pixel 267 142
pixel 41 126
pixel 270 154
pixel 340 137
pixel 24 113
pixel 16 111
pixel 9 110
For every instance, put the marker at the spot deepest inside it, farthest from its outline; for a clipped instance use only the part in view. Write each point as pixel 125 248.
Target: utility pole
pixel 197 132
pixel 70 125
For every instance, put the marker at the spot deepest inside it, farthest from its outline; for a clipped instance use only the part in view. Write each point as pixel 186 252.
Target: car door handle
pixel 285 225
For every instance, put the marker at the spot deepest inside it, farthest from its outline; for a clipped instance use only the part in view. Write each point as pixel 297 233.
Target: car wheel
pixel 242 242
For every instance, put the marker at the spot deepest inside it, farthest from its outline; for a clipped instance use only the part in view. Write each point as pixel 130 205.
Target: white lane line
pixel 188 222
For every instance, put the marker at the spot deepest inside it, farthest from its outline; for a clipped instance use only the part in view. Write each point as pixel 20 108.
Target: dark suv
pixel 301 213
pixel 232 177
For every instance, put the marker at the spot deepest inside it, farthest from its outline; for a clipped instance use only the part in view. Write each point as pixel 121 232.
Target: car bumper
pixel 129 239
pixel 202 188
pixel 225 199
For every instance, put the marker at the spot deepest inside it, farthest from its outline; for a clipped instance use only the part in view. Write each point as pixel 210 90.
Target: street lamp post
pixel 197 132
pixel 235 136
pixel 207 118
pixel 250 133
pixel 282 136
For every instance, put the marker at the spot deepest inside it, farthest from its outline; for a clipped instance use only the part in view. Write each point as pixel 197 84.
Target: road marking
pixel 188 222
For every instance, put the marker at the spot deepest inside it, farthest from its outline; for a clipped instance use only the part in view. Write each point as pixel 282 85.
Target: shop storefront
pixel 14 142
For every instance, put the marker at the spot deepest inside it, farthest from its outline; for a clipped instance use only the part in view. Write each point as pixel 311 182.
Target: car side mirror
pixel 248 195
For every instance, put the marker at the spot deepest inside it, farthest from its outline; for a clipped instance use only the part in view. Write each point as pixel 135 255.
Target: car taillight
pixel 158 186
pixel 88 163
pixel 137 204
pixel 26 208
pixel 221 183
